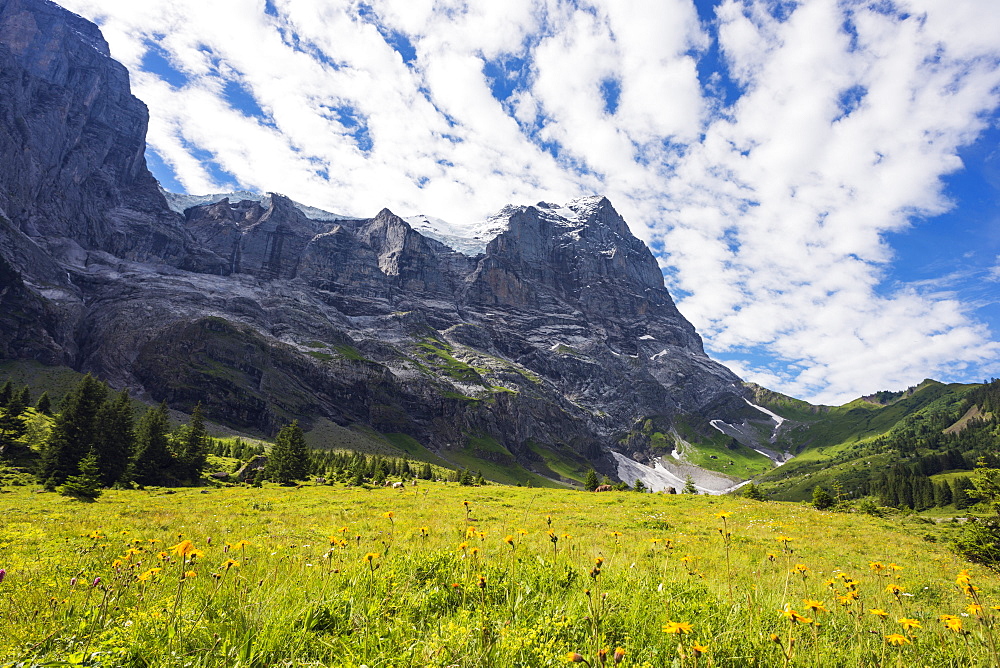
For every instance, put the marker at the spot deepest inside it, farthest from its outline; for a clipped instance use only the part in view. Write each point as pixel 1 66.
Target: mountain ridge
pixel 559 342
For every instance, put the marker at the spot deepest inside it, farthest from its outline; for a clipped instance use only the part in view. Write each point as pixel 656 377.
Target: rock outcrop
pixel 553 344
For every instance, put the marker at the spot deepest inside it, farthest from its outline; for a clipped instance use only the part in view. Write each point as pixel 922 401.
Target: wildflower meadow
pixel 442 575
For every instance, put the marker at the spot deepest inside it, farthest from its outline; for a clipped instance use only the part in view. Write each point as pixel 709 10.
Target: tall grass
pixel 439 575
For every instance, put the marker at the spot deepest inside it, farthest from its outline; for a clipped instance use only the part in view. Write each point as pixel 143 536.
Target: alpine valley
pixel 532 348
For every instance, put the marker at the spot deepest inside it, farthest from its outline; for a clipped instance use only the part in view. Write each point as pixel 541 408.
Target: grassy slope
pixel 838 442
pixel 293 601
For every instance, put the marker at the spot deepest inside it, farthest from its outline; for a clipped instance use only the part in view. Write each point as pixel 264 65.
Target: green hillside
pixel 886 445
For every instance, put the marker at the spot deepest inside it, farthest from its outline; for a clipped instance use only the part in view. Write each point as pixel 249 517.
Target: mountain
pixel 900 447
pixel 541 343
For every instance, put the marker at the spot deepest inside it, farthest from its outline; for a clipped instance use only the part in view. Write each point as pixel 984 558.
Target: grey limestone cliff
pixel 558 342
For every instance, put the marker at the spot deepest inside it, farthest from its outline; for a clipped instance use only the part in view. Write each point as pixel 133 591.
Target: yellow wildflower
pixel 896 639
pixel 909 623
pixel 815 606
pixel 879 612
pixel 677 627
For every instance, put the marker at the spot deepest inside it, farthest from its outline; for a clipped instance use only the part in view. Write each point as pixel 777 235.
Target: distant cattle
pixel 603 488
pixel 398 485
pixel 671 490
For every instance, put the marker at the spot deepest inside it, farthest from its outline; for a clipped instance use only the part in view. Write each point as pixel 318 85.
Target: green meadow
pixel 443 575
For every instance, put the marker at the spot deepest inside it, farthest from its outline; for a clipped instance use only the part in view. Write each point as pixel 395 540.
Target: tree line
pixel 96 441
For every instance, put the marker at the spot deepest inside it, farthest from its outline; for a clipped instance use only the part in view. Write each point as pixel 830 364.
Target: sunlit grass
pixel 442 575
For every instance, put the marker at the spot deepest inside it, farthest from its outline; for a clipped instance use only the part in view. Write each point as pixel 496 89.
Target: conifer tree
pixel 426 472
pixel 74 433
pixel 821 498
pixel 6 392
pixel 689 487
pixel 44 405
pixel 86 485
pixel 116 438
pixel 753 492
pixel 959 497
pixel 152 457
pixel 942 494
pixel 12 427
pixel 192 447
pixel 591 482
pixel 289 458
pixel 19 401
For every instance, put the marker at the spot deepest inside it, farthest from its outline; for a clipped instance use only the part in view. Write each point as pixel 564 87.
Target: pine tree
pixel 6 392
pixel 942 494
pixel 152 458
pixel 959 497
pixel 74 433
pixel 19 401
pixel 753 492
pixel 689 487
pixel 116 438
pixel 289 458
pixel 44 405
pixel 640 486
pixel 12 427
pixel 426 472
pixel 192 447
pixel 86 485
pixel 591 483
pixel 821 498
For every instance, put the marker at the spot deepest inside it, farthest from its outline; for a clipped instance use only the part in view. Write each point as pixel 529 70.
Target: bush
pixel 821 498
pixel 979 541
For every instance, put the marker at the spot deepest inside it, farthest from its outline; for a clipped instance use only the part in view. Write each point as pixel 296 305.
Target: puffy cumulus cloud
pixel 846 123
pixel 766 152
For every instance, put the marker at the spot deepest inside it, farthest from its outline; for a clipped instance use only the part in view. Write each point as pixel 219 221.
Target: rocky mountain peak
pixel 546 330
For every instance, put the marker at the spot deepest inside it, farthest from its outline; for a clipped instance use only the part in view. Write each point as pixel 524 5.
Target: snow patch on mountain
pixel 181 202
pixel 664 474
pixel 472 239
pixel 468 240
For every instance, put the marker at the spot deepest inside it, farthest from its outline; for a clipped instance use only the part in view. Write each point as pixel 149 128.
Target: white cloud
pixel 773 212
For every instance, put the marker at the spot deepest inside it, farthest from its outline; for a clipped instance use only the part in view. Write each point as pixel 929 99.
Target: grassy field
pixel 442 575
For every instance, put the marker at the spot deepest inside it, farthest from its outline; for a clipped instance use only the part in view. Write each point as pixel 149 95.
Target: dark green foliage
pixel 116 438
pixel 12 427
pixel 86 485
pixel 152 459
pixel 980 538
pixel 591 483
pixel 192 447
pixel 640 486
pixel 822 500
pixel 752 491
pixel 979 541
pixel 44 405
pixel 942 494
pixel 689 487
pixel 959 493
pixel 289 458
pixel 6 392
pixel 19 401
pixel 869 507
pixel 74 434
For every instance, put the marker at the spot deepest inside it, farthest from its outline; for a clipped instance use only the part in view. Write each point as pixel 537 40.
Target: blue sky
pixel 820 179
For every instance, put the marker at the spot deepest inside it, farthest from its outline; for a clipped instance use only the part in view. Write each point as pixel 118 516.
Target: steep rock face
pixel 74 140
pixel 552 344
